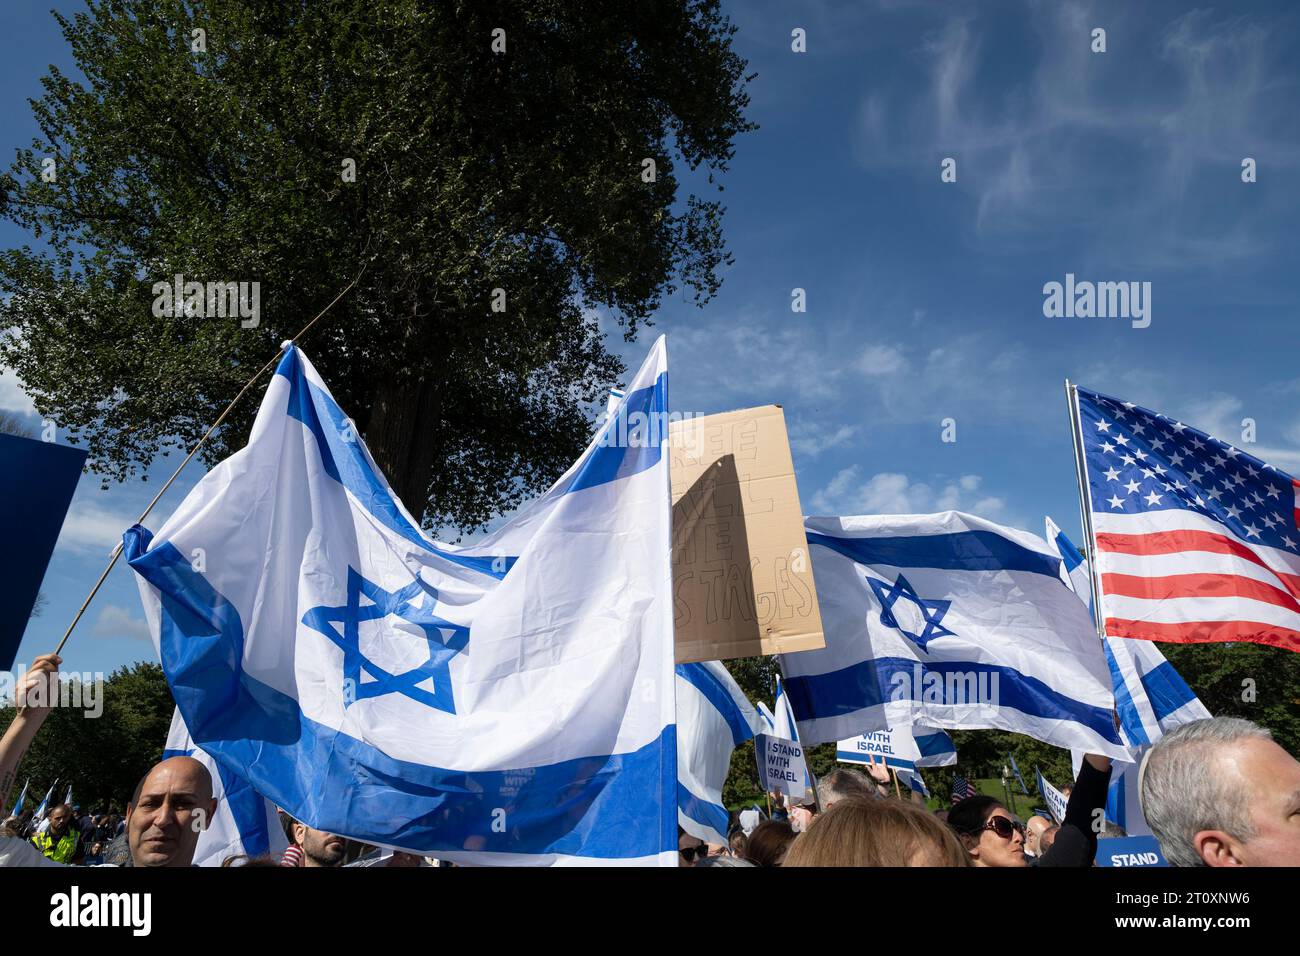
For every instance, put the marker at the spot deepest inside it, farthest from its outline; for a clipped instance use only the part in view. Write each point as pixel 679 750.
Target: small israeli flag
pixel 714 717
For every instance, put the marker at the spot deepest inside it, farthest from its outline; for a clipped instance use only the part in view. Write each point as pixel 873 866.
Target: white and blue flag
pixel 41 810
pixel 245 824
pixel 22 798
pixel 714 717
pixel 510 702
pixel 952 621
pixel 1150 696
pixel 787 728
pixel 67 797
pixel 912 780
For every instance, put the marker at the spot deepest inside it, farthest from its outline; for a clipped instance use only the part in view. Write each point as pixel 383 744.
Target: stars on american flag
pixel 1140 461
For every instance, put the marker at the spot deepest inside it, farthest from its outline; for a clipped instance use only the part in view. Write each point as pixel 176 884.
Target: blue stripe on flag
pixel 597 806
pixel 698 676
pixel 869 684
pixel 1166 690
pixel 932 745
pixel 960 551
pixel 247 808
pixel 849 756
pixel 346 463
pixel 1125 706
pixel 702 811
pixel 609 462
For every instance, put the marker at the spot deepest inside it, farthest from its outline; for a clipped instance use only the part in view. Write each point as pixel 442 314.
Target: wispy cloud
pixel 114 621
pixel 12 397
pixel 849 493
pixel 91 527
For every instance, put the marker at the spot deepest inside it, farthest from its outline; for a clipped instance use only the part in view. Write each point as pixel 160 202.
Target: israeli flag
pixel 714 717
pixel 912 780
pixel 245 824
pixel 952 621
pixel 787 728
pixel 39 815
pixel 510 702
pixel 1151 698
pixel 22 798
pixel 1019 779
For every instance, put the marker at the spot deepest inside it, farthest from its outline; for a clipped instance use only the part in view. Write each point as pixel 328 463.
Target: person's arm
pixel 27 721
pixel 1076 841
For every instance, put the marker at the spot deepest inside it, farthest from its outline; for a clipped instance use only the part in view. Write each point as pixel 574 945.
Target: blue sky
pixel 925 298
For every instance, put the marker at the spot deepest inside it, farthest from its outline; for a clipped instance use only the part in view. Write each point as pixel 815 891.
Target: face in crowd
pixel 318 847
pixel 60 820
pixel 1001 842
pixel 171 807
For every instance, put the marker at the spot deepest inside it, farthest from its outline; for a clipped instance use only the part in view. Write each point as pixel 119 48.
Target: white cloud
pixel 894 493
pixel 91 527
pixel 808 440
pixel 114 621
pixel 878 360
pixel 12 396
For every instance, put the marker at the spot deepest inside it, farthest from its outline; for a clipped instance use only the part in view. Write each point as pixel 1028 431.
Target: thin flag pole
pixel 117 551
pixel 1085 506
pixel 897 790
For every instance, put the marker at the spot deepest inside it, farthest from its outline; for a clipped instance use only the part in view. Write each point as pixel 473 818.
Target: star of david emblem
pixel 429 682
pixel 927 613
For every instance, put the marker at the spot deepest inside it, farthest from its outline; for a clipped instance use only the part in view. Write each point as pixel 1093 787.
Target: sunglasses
pixel 689 853
pixel 1004 827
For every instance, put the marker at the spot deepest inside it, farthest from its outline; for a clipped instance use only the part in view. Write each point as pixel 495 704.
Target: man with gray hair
pixel 841 785
pixel 1220 792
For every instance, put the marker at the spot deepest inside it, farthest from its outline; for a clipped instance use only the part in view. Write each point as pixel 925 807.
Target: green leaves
pixel 474 170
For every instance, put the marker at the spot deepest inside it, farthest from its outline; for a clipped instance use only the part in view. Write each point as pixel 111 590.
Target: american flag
pixel 961 788
pixel 1195 539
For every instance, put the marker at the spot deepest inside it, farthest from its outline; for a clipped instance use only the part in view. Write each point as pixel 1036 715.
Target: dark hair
pixel 970 815
pixel 769 841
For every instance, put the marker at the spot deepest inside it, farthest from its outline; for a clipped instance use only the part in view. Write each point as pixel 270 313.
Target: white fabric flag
pixel 245 824
pixel 510 702
pixel 951 621
pixel 714 717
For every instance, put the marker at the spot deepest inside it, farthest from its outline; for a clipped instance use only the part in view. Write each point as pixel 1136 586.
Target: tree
pixel 520 156
pixel 103 756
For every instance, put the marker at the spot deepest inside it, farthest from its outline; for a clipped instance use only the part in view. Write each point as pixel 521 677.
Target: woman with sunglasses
pixel 993 837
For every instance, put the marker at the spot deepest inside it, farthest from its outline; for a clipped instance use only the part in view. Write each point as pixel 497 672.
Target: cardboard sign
pixel 742 578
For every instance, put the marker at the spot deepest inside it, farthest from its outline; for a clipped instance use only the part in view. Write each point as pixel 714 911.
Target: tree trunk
pixel 400 435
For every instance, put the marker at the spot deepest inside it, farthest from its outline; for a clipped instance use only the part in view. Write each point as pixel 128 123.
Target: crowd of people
pixel 1215 792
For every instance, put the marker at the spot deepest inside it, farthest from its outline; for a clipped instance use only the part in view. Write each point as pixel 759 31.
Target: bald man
pixel 171 806
pixel 1034 833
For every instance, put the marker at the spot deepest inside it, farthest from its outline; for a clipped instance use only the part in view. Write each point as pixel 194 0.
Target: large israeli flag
pixel 950 621
pixel 509 702
pixel 245 824
pixel 714 717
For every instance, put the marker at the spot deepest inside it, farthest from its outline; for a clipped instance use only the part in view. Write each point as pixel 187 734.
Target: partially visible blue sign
pixel 1130 851
pixel 37 480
